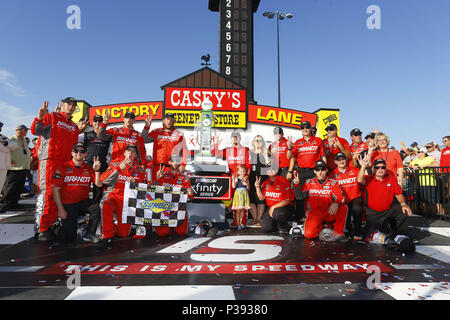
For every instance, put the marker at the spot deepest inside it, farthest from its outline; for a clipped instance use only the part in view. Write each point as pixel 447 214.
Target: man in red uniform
pixel 115 177
pixel 380 190
pixel 279 197
pixel 347 178
pixel 278 152
pixel 303 154
pixel 71 186
pixel 325 203
pixel 334 145
pixel 58 133
pixel 174 178
pixel 235 155
pixel 356 147
pixel 122 137
pixel 166 142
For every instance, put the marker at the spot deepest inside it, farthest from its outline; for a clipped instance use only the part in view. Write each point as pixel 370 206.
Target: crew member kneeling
pixel 71 186
pixel 279 196
pixel 325 203
pixel 380 190
pixel 174 178
pixel 115 177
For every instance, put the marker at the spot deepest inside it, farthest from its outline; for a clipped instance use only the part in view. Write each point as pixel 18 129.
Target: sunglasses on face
pixel 79 151
pixel 429 147
pixel 380 167
pixel 98 120
pixel 303 128
pixel 320 169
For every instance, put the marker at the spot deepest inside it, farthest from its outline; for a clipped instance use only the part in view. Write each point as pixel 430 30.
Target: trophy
pixel 204 130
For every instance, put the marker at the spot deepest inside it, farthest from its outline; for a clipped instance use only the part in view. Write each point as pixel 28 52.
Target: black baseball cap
pixel 169 114
pixel 70 100
pixel 331 127
pixel 278 130
pixel 414 144
pixel 98 117
pixel 356 132
pixel 370 136
pixel 378 161
pixel 339 156
pixel 131 146
pixel 320 165
pixel 305 124
pixel 78 145
pixel 130 114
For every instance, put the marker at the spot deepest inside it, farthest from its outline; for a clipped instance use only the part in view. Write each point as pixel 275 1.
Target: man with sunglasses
pixel 17 174
pixel 325 204
pixel 303 155
pixel 432 151
pixel 71 186
pixel 334 145
pixel 380 189
pixel 58 133
pixel 97 147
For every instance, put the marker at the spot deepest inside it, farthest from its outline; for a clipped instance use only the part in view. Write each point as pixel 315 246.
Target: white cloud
pixel 12 116
pixel 9 81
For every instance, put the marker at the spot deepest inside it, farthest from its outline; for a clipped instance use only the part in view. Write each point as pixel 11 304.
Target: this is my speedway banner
pixel 146 204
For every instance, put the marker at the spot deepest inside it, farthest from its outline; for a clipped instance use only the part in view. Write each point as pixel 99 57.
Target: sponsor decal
pixel 192 98
pixel 157 205
pixel 222 119
pixel 211 188
pixel 279 117
pixel 140 109
pixel 66 126
pixel 77 179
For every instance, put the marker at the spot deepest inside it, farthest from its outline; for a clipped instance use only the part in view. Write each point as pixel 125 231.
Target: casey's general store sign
pixel 229 107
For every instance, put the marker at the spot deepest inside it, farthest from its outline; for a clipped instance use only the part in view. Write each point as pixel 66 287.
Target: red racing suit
pixel 279 153
pixel 348 181
pixel 235 156
pixel 308 152
pixel 332 150
pixel 174 180
pixel 57 138
pixel 121 138
pixel 112 202
pixel 165 143
pixel 320 197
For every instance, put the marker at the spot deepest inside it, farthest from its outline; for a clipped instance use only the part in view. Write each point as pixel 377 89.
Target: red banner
pixel 140 109
pixel 213 268
pixel 279 117
pixel 192 99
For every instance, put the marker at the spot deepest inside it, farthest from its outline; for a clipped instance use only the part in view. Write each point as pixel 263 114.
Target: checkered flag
pixel 151 205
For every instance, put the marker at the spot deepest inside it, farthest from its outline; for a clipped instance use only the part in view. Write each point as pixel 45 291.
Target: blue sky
pixel 396 78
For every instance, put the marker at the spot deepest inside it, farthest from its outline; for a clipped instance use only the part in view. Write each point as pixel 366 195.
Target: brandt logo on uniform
pixel 77 179
pixel 66 126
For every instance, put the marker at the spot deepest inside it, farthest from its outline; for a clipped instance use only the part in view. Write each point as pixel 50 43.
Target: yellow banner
pixel 326 117
pixel 222 119
pixel 80 111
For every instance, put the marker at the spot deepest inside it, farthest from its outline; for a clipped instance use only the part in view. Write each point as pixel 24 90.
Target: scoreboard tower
pixel 236 41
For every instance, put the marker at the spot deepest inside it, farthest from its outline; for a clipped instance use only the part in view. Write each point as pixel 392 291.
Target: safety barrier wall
pixel 427 189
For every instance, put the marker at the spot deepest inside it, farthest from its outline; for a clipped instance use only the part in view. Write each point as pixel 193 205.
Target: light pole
pixel 280 16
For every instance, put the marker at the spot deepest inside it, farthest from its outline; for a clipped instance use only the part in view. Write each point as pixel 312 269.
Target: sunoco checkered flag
pixel 151 205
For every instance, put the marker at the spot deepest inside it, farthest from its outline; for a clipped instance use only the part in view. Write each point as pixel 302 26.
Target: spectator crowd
pixel 334 189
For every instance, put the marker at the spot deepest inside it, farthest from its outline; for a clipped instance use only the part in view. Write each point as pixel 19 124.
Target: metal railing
pixel 427 190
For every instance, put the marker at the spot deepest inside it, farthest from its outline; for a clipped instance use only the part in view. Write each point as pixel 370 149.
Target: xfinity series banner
pixel 211 188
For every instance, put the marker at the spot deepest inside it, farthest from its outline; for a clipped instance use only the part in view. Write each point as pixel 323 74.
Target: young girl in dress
pixel 241 200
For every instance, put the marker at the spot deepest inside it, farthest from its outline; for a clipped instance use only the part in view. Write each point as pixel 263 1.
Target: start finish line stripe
pixel 197 268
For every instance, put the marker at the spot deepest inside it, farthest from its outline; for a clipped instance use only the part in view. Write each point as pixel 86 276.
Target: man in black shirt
pixel 96 147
